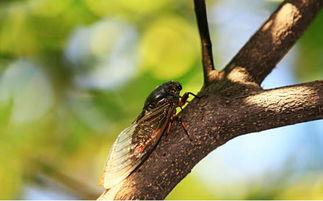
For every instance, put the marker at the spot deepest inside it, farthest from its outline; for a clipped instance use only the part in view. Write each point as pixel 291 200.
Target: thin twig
pixel 207 56
pixel 76 187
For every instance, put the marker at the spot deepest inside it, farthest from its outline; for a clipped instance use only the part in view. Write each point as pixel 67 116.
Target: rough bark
pixel 232 104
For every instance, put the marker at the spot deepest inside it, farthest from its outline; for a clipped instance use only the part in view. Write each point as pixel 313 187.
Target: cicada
pixel 135 143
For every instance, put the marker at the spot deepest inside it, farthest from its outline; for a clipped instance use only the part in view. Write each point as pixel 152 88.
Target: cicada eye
pixel 179 87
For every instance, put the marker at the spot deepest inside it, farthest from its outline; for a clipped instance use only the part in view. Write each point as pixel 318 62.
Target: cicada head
pixel 166 92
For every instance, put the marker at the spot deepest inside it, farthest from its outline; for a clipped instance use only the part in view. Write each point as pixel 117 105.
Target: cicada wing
pixel 134 144
pixel 120 160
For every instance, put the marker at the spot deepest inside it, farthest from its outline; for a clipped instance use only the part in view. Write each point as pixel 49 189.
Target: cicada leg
pixel 169 126
pixel 177 118
pixel 181 103
pixel 184 127
pixel 184 98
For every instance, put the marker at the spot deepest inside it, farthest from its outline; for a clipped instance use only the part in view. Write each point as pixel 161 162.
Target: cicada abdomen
pixel 136 142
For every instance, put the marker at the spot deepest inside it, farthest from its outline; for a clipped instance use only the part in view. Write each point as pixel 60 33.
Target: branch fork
pixel 233 102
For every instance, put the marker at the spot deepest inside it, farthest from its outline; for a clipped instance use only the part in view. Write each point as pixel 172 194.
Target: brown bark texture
pixel 232 103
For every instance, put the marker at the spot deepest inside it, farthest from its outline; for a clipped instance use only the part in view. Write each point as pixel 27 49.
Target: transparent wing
pixel 134 144
pixel 119 162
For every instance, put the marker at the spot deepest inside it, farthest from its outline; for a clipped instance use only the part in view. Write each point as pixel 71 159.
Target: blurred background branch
pixel 81 190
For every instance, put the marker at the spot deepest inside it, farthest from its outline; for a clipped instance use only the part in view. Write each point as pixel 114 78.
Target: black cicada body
pixel 137 141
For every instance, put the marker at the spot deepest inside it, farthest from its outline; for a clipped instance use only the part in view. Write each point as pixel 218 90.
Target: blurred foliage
pixel 309 187
pixel 74 73
pixel 199 190
pixel 69 81
pixel 309 64
pixel 173 34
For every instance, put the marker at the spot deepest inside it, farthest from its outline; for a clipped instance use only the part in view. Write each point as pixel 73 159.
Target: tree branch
pixel 212 121
pixel 272 41
pixel 207 55
pixel 232 106
pixel 79 189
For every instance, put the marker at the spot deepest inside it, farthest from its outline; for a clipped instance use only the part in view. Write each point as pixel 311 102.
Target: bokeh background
pixel 74 73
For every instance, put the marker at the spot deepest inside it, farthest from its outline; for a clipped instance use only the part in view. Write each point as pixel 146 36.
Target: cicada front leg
pixel 184 98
